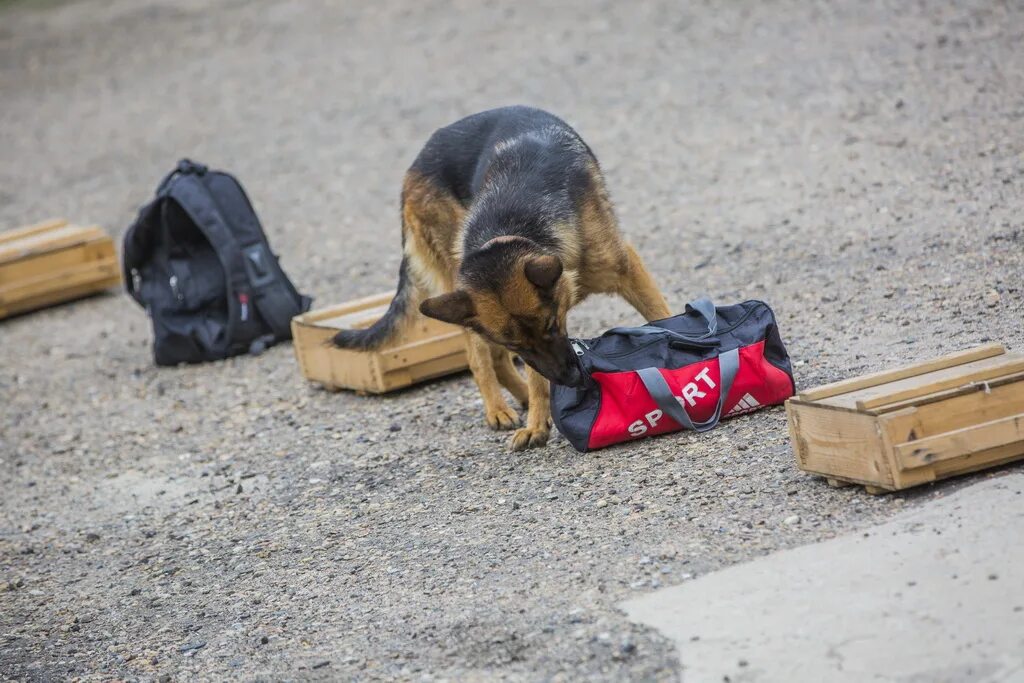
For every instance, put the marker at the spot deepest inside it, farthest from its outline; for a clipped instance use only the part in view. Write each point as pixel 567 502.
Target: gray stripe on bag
pixel 657 387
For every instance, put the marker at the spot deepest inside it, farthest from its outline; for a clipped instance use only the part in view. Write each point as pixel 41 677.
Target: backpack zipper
pixel 174 288
pixel 136 280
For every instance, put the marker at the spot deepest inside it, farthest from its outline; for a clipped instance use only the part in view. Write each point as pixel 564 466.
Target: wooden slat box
pixel 426 350
pixel 891 430
pixel 54 262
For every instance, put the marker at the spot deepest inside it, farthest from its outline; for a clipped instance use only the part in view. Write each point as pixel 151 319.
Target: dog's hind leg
pixel 637 287
pixel 431 222
pixel 481 363
pixel 509 376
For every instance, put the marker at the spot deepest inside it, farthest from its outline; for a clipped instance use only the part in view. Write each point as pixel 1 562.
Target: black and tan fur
pixel 506 225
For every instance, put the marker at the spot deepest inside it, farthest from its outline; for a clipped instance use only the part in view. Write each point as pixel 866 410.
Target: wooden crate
pixel 427 349
pixel 54 262
pixel 899 428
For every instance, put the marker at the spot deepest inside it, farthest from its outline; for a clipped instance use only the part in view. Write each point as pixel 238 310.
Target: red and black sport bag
pixel 683 372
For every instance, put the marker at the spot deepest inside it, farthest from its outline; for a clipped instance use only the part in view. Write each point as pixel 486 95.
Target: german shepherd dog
pixel 506 225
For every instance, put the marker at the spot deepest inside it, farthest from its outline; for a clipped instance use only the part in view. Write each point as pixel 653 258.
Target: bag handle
pixel 703 306
pixel 657 387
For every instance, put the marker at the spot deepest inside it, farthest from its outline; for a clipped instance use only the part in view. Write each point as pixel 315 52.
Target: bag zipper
pixel 580 352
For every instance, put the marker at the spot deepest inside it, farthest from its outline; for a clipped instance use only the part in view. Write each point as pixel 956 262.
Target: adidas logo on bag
pixel 746 404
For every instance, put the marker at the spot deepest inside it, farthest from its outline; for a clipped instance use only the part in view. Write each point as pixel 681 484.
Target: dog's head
pixel 514 295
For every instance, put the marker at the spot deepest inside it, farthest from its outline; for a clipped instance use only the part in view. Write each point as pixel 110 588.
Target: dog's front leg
pixel 538 415
pixel 481 363
pixel 508 376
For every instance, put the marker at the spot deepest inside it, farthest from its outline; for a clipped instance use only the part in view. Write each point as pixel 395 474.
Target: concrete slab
pixel 934 595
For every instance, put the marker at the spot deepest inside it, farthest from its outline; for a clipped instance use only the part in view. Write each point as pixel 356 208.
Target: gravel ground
pixel 860 166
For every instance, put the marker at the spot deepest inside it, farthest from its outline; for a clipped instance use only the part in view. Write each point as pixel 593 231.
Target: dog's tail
pixel 388 326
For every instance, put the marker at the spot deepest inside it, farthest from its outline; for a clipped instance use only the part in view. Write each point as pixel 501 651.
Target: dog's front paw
pixel 528 437
pixel 502 418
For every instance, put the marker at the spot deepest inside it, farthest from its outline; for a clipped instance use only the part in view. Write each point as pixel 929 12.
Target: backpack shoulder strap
pixel 218 206
pixel 188 191
pixel 273 293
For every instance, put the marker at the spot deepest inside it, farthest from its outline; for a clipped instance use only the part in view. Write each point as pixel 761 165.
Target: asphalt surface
pixel 936 594
pixel 860 166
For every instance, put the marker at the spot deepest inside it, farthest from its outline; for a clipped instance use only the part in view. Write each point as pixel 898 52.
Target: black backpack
pixel 197 260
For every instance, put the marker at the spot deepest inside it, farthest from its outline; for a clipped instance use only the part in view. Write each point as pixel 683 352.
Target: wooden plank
pixel 902 426
pixel 842 445
pixel 976 461
pixel 850 399
pixel 52 284
pixel 342 309
pixel 422 372
pixel 18 233
pixel 358 370
pixel 354 320
pixel 792 423
pixel 418 352
pixel 299 349
pixel 824 406
pixel 957 411
pixel 333 368
pixel 308 344
pixel 948 395
pixel 943 380
pixel 438 367
pixel 884 377
pixel 64 295
pixel 960 442
pixel 48 265
pixel 910 420
pixel 42 243
pixel 53 262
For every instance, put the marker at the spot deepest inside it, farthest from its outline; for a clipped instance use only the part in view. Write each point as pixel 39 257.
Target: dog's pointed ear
pixel 544 271
pixel 455 307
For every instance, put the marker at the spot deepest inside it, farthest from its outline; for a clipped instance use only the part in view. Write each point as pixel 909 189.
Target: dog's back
pixel 517 170
pixel 460 156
